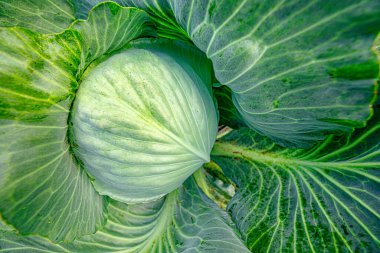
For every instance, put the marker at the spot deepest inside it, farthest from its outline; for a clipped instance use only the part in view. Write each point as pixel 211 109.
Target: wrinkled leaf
pixel 159 11
pixel 109 27
pixel 42 189
pixel 43 16
pixel 184 221
pixel 298 69
pixel 322 199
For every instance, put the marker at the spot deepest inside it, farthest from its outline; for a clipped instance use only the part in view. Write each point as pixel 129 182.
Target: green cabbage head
pixel 142 124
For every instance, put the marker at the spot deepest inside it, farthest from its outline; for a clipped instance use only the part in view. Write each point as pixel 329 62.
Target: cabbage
pixel 189 126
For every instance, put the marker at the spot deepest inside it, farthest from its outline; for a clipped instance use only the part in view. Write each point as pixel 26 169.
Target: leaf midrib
pixel 237 151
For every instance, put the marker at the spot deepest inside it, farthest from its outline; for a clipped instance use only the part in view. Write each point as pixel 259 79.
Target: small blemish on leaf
pixel 366 70
pixel 276 104
pixel 286 80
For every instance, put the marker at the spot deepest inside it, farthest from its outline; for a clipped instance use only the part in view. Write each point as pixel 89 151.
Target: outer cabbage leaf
pixel 159 11
pixel 299 70
pixel 322 199
pixel 43 190
pixel 108 28
pixel 184 221
pixel 43 16
pixel 83 7
pixel 144 121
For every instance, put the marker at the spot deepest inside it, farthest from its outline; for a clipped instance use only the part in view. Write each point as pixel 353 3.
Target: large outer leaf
pixel 325 199
pixel 42 188
pixel 144 121
pixel 184 221
pixel 83 7
pixel 110 27
pixel 43 16
pixel 159 11
pixel 297 69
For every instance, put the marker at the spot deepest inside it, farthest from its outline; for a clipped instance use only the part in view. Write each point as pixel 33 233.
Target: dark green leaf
pixel 298 69
pixel 229 115
pixel 322 199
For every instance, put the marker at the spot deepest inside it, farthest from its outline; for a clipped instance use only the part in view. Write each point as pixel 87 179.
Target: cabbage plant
pixel 189 126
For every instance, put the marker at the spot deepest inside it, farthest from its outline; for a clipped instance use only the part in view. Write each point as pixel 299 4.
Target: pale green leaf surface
pixel 184 221
pixel 43 16
pixel 189 57
pixel 298 69
pixel 10 241
pixel 83 7
pixel 159 11
pixel 162 14
pixel 109 27
pixel 43 190
pixel 137 148
pixel 325 199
